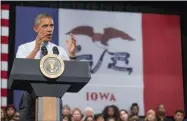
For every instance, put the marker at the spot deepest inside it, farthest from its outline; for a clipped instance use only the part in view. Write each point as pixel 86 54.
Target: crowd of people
pixel 110 113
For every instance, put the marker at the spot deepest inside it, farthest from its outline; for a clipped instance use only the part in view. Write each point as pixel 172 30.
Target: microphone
pixel 55 50
pixel 44 50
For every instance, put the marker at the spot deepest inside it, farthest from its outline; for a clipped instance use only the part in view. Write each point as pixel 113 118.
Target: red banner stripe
pixel 4 22
pixel 3 107
pixel 4 39
pixel 162 62
pixel 4 74
pixel 5 6
pixel 4 57
pixel 4 92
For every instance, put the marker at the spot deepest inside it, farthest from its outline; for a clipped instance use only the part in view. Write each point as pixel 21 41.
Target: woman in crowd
pixel 77 115
pixel 111 111
pixel 123 115
pixel 150 116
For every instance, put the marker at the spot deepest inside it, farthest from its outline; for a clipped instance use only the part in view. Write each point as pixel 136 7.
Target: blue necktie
pixel 43 44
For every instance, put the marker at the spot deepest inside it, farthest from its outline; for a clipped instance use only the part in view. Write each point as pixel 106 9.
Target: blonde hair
pixel 151 111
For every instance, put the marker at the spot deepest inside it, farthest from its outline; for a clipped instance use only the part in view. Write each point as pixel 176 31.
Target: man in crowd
pixel 161 113
pixel 179 115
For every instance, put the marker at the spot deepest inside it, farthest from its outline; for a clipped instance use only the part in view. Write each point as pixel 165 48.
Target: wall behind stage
pixel 136 60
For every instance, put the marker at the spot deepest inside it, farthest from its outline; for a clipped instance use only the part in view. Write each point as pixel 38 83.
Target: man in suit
pixel 44 28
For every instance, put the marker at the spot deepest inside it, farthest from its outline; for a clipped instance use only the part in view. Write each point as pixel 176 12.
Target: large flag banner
pixel 133 57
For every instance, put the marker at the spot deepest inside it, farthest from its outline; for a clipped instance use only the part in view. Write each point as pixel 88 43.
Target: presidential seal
pixel 52 66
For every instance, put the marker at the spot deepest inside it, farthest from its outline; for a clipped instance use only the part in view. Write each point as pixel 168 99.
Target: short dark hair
pixel 98 115
pixel 133 105
pixel 179 111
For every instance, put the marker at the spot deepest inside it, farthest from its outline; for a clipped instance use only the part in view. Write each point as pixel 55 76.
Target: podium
pixel 26 75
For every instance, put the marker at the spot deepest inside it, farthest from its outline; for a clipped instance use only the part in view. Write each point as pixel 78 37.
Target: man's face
pixel 10 111
pixel 135 110
pixel 46 25
pixel 161 109
pixel 179 116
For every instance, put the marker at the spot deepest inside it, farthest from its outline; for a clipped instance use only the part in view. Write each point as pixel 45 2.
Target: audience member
pixel 66 110
pixel 161 113
pixel 111 119
pixel 10 111
pixel 77 115
pixel 89 118
pixel 66 118
pixel 123 115
pixel 111 111
pixel 99 117
pixel 88 112
pixel 150 116
pixel 134 109
pixel 179 115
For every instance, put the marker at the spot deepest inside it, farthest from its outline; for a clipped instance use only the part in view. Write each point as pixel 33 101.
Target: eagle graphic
pixel 109 33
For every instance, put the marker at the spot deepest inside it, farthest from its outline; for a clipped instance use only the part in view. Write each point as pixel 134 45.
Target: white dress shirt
pixel 25 49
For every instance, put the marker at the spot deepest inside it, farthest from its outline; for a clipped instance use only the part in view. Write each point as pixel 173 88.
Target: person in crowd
pixel 66 117
pixel 111 111
pixel 161 113
pixel 10 111
pixel 3 115
pixel 88 112
pixel 150 116
pixel 89 118
pixel 99 117
pixel 77 115
pixel 16 116
pixel 134 109
pixel 111 119
pixel 179 115
pixel 123 115
pixel 66 110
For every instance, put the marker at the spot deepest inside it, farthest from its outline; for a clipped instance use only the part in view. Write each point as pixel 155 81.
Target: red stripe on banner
pixel 162 62
pixel 4 39
pixel 5 6
pixel 4 92
pixel 4 74
pixel 4 57
pixel 4 22
pixel 3 107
